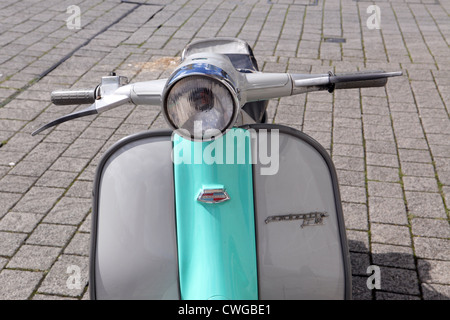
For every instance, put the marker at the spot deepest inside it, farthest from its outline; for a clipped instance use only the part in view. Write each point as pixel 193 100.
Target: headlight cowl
pixel 201 99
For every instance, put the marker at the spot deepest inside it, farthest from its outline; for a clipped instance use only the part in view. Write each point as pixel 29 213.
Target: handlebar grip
pixel 361 84
pixel 76 96
pixel 364 79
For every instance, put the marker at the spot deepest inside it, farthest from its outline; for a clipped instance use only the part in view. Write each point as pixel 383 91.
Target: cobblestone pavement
pixel 391 146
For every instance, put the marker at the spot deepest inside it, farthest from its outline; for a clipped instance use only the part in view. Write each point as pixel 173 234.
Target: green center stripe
pixel 216 241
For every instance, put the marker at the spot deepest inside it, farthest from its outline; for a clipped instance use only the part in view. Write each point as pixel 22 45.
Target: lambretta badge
pixel 309 219
pixel 213 195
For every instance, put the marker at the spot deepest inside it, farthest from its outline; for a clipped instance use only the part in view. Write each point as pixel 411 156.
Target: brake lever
pixel 82 113
pixel 111 95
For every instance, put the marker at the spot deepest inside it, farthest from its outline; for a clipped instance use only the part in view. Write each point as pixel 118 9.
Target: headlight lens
pixel 196 102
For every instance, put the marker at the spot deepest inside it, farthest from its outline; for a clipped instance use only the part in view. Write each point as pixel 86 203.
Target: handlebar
pixel 264 86
pixel 254 86
pixel 76 96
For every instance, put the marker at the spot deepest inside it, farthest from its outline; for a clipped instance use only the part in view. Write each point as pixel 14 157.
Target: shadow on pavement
pixel 399 278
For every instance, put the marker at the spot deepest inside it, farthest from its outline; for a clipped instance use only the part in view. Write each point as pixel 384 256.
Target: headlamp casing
pixel 218 71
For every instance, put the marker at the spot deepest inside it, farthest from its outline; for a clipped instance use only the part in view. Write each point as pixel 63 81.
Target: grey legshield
pixel 133 249
pixel 301 241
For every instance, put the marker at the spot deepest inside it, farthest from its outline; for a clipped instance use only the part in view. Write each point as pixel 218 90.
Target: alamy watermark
pixel 74 20
pixel 374 280
pixel 233 147
pixel 74 280
pixel 374 20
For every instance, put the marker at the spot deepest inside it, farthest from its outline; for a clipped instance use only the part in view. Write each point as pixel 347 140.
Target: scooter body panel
pixel 216 238
pixel 302 246
pixel 133 249
pixel 280 236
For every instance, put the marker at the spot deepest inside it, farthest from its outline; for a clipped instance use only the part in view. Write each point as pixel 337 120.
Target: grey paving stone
pixel 347 136
pixel 359 289
pixel 378 132
pixel 382 159
pixel 435 291
pixel 79 245
pixel 353 194
pixel 438 139
pixel 425 204
pixel 393 256
pixel 29 168
pixel 20 221
pixel 18 285
pixel 387 210
pixel 412 155
pixel 34 258
pixel 21 142
pixel 67 266
pixel 385 174
pixel 11 125
pixel 7 201
pixel 358 241
pixel 385 189
pixel 384 147
pixel 97 133
pixel 348 163
pixel 81 189
pixel 351 178
pixel 375 123
pixel 46 152
pixel 418 169
pixel 3 171
pixel 442 164
pixel 390 234
pixel 75 126
pixel 412 143
pixel 360 262
pixel 432 248
pixel 355 216
pixel 86 225
pixel 69 164
pixel 424 184
pixel 17 184
pixel 38 200
pixel 433 271
pixel 69 210
pixel 430 227
pixel 56 179
pixel 58 135
pixel 51 234
pixel 84 148
pixel 10 242
pixel 3 262
pixel 402 281
pixel 408 129
pixel 348 150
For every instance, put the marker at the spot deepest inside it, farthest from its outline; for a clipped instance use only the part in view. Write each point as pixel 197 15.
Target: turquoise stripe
pixel 216 242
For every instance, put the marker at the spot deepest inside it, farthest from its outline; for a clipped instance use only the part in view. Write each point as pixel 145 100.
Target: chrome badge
pixel 213 195
pixel 309 219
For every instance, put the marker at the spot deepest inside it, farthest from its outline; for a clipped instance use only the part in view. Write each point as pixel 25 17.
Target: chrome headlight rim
pixel 211 72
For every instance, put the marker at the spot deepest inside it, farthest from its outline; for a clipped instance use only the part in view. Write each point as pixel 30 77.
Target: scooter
pixel 225 205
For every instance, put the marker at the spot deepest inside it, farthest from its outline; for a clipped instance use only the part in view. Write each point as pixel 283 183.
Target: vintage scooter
pixel 225 205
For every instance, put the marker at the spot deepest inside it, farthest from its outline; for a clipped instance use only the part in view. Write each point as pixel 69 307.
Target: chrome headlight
pixel 201 99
